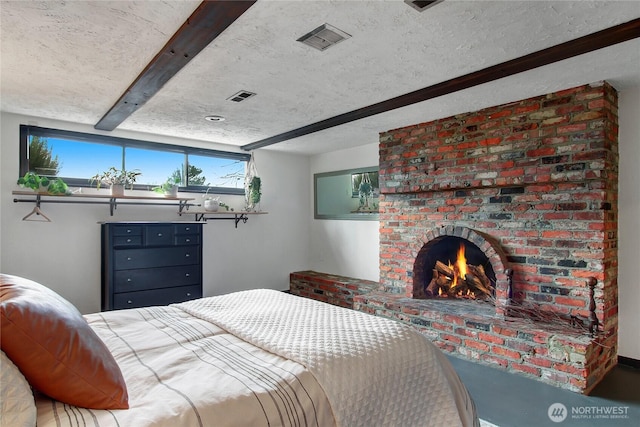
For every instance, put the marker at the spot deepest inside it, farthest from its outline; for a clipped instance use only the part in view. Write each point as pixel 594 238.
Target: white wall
pixel 65 254
pixel 345 247
pixel 629 224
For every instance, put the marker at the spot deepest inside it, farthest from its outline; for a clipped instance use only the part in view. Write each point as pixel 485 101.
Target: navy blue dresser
pixel 150 263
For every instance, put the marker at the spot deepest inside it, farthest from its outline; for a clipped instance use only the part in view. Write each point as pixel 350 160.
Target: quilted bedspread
pixel 182 371
pixel 374 371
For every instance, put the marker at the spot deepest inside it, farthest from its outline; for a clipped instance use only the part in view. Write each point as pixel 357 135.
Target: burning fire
pixel 460 279
pixel 460 266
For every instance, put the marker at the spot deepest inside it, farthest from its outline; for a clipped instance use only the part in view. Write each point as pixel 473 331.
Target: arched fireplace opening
pixel 456 268
pixel 487 276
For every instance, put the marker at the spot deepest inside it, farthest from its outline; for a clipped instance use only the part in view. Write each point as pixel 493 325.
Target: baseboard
pixel 628 361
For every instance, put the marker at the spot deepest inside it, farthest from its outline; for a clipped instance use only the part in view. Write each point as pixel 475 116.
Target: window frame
pixel 29 130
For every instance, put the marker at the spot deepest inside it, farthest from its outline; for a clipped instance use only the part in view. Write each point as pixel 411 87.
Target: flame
pixel 461 262
pixel 454 281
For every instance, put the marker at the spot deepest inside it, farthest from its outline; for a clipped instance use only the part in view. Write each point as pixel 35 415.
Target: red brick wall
pixel 539 179
pixel 539 176
pixel 329 288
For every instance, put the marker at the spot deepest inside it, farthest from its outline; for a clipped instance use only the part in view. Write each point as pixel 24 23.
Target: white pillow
pixel 16 398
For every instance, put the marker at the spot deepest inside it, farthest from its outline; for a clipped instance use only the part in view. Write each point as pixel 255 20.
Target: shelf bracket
pixel 182 205
pixel 241 217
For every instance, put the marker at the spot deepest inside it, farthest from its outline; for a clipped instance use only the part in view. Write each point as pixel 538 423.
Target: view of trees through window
pixel 41 159
pixel 76 157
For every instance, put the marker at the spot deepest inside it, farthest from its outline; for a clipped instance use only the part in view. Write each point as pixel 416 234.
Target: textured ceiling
pixel 72 60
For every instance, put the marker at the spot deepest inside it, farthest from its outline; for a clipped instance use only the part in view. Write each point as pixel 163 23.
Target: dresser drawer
pixel 156 297
pixel 158 235
pixel 187 228
pixel 120 241
pixel 187 239
pixel 127 230
pixel 125 259
pixel 156 278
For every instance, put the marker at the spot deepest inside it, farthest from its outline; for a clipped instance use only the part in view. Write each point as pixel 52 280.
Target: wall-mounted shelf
pixel 201 215
pixel 101 199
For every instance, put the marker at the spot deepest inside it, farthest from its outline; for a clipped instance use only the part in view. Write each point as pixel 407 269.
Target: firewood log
pixel 475 283
pixel 432 287
pixel 479 272
pixel 444 269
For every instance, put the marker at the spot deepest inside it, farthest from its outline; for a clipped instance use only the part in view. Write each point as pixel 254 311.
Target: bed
pixel 251 358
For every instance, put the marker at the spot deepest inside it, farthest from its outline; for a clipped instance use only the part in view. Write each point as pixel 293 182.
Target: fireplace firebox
pixel 453 267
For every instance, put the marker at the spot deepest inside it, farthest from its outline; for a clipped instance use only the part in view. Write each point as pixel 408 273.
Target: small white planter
pixel 211 205
pixel 117 190
pixel 172 192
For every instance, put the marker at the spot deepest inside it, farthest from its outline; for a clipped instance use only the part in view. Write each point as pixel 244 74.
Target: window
pixel 76 157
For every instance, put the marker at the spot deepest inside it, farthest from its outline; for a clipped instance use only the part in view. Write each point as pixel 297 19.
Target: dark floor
pixel 509 400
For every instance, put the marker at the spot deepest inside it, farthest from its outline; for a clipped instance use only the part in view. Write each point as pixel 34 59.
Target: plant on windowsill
pixel 42 184
pixel 34 181
pixel 170 187
pixel 117 179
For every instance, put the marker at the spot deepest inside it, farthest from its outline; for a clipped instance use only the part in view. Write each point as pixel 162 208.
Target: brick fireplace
pixel 533 184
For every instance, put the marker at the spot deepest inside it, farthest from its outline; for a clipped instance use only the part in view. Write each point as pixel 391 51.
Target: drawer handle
pixel 129 302
pixel 187 275
pixel 187 240
pixel 128 258
pixel 128 230
pixel 128 240
pixel 129 279
pixel 187 228
pixel 188 294
pixel 159 234
pixel 187 255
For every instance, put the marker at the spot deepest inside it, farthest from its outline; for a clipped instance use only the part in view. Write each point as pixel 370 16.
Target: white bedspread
pixel 375 371
pixel 266 358
pixel 182 371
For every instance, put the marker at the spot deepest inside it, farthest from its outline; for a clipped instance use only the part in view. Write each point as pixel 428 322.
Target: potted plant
pixel 255 193
pixel 34 181
pixel 58 186
pixel 43 184
pixel 117 179
pixel 170 187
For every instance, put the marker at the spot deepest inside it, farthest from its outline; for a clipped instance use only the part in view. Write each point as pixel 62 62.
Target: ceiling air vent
pixel 422 5
pixel 241 96
pixel 323 37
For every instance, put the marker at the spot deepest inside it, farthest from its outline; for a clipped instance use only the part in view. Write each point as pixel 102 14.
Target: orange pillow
pixel 56 349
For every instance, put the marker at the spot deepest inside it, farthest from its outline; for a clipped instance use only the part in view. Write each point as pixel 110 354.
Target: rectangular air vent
pixel 323 37
pixel 241 96
pixel 422 5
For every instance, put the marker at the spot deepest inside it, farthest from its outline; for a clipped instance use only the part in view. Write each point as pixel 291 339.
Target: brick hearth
pixel 536 178
pixel 553 353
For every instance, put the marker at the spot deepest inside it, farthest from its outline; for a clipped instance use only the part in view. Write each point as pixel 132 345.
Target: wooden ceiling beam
pixel 579 46
pixel 206 23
